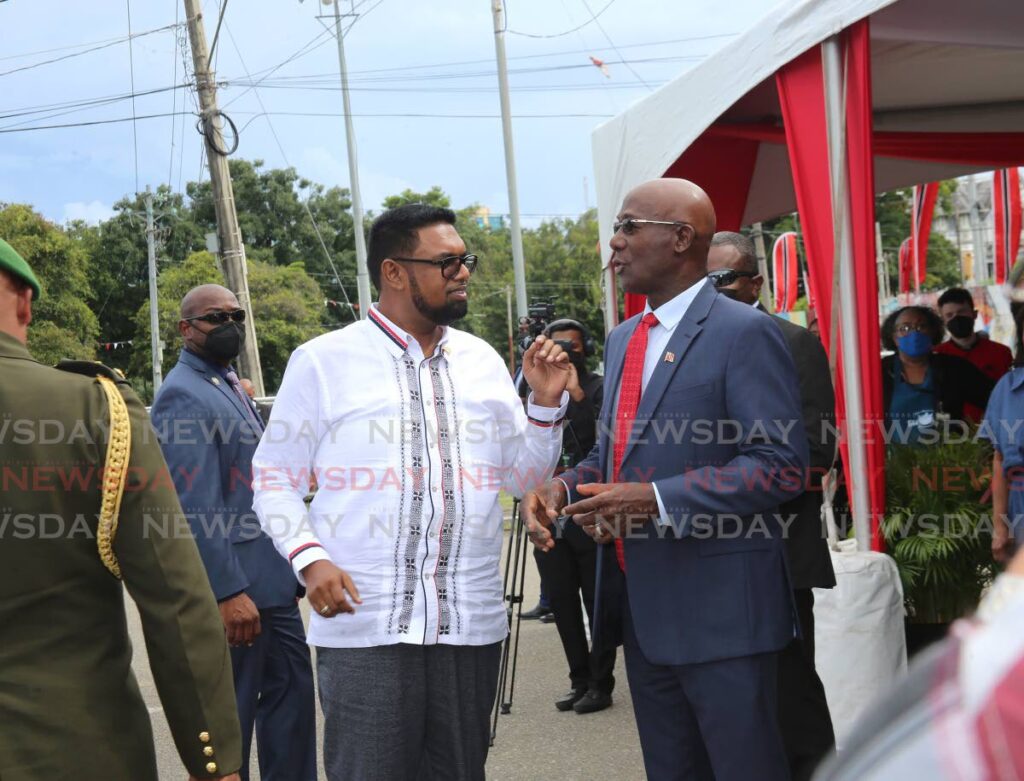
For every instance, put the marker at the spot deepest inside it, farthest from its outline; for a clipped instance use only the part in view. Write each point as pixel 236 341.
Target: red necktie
pixel 630 387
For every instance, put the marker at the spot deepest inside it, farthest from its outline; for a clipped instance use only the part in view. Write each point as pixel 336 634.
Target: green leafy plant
pixel 937 526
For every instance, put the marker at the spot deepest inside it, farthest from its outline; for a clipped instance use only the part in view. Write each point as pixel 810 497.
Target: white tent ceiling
pixel 937 65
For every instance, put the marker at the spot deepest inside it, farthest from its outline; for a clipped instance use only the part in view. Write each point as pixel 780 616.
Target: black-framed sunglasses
pixel 726 276
pixel 219 318
pixel 449 266
pixel 631 225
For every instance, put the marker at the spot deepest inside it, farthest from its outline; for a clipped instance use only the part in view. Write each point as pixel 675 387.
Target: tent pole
pixel 835 108
pixel 611 298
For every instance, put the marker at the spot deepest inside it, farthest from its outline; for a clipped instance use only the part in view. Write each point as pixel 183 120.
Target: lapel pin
pixel 215 381
pixel 670 357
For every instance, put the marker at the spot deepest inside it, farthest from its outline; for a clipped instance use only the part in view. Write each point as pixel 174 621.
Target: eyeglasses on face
pixel 631 225
pixel 726 276
pixel 450 265
pixel 219 318
pixel 905 328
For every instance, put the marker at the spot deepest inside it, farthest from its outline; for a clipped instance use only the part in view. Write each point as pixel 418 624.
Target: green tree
pixel 63 325
pixel 287 304
pixel 119 261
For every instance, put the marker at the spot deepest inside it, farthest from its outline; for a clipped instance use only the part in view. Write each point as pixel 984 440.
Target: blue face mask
pixel 915 344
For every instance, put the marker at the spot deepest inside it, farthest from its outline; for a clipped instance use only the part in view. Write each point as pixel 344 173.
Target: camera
pixel 541 312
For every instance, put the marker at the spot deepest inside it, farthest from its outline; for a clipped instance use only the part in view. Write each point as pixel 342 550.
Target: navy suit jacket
pixel 209 440
pixel 719 432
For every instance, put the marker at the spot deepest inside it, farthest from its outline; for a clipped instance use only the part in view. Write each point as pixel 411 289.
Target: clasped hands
pixel 607 510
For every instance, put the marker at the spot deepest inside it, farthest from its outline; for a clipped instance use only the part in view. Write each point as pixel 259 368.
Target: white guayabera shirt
pixel 409 453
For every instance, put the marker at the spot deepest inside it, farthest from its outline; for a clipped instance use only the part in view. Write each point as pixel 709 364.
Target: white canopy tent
pixel 939 73
pixel 937 65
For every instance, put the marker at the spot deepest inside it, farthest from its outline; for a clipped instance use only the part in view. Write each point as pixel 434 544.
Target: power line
pixel 611 43
pixel 216 33
pixel 305 203
pixel 565 32
pixel 174 96
pixel 86 51
pixel 301 52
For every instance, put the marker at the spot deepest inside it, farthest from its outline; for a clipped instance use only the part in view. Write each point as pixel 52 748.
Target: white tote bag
pixel 860 641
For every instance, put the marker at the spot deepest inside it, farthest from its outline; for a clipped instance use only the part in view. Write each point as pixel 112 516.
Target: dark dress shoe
pixel 592 702
pixel 538 611
pixel 570 698
pixel 547 618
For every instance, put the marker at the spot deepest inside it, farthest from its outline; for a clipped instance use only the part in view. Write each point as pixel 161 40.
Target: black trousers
pixel 803 711
pixel 569 569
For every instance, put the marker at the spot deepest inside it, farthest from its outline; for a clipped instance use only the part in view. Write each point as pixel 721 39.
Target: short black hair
pixel 743 245
pixel 956 295
pixel 935 326
pixel 395 233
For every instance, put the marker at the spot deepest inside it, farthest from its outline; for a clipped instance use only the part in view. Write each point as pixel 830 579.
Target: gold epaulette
pixel 115 473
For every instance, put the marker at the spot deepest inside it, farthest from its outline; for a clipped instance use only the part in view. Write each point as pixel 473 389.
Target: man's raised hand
pixel 546 368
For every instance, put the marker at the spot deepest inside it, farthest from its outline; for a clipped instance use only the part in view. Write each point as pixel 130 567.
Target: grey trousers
pixel 407 712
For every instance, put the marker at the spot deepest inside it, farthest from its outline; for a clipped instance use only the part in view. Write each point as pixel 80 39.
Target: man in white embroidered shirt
pixel 411 429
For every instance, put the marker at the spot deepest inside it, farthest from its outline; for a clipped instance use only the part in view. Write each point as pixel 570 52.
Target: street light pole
pixel 518 262
pixel 362 275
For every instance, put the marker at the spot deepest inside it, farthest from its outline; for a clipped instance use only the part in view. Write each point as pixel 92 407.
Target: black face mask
pixel 224 342
pixel 961 326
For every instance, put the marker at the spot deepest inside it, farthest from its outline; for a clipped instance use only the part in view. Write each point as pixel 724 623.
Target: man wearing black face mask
pixel 956 307
pixel 209 428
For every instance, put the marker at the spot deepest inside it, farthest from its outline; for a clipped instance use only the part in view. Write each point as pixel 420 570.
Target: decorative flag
pixel 921 227
pixel 599 64
pixel 786 270
pixel 906 265
pixel 1006 212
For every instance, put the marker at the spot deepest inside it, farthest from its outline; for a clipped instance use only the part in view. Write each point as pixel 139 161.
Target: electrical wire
pixel 174 96
pixel 309 47
pixel 612 43
pixel 565 32
pixel 216 34
pixel 305 203
pixel 107 45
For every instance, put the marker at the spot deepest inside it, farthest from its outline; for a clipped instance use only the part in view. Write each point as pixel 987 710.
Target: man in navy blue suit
pixel 701 440
pixel 209 429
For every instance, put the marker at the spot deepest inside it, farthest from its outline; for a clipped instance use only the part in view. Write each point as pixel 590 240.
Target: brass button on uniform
pixel 208 751
pixel 204 737
pixel 211 767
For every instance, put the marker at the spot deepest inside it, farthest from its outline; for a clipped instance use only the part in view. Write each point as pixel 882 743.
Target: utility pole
pixel 511 331
pixel 518 263
pixel 156 346
pixel 362 275
pixel 229 236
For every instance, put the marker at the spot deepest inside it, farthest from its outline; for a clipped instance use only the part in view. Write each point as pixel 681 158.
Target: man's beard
pixel 440 315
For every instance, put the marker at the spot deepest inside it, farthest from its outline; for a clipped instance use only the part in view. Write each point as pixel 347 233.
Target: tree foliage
pixel 63 325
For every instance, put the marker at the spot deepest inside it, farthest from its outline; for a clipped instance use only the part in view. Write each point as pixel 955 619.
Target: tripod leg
pixel 524 546
pixel 509 588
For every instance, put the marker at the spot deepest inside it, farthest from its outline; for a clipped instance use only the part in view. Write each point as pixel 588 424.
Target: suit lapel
pixel 679 343
pixel 215 379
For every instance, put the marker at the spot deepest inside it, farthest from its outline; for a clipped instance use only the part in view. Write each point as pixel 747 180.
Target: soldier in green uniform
pixel 86 504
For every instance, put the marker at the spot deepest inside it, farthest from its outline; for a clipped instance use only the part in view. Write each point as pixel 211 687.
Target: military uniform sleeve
pixel 184 634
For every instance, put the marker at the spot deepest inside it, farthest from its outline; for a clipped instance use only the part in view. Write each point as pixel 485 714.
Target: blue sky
pixel 404 57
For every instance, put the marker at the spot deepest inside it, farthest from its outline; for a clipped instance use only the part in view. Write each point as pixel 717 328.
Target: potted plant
pixel 937 527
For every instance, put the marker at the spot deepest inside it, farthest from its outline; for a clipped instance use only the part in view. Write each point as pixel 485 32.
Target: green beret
pixel 13 263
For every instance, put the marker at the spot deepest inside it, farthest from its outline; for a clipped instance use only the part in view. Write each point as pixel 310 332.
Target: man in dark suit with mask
pixel 209 429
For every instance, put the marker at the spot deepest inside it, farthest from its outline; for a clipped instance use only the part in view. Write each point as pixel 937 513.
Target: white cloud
pixel 93 212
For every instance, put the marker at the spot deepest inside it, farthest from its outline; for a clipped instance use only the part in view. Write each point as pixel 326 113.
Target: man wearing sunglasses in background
pixel 412 428
pixel 209 428
pixel 803 711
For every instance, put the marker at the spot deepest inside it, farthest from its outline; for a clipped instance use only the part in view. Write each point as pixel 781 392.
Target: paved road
pixel 534 743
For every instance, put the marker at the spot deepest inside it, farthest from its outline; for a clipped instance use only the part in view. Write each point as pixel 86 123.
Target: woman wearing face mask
pixel 919 385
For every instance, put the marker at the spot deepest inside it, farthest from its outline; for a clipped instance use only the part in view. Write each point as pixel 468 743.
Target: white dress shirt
pixel 409 454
